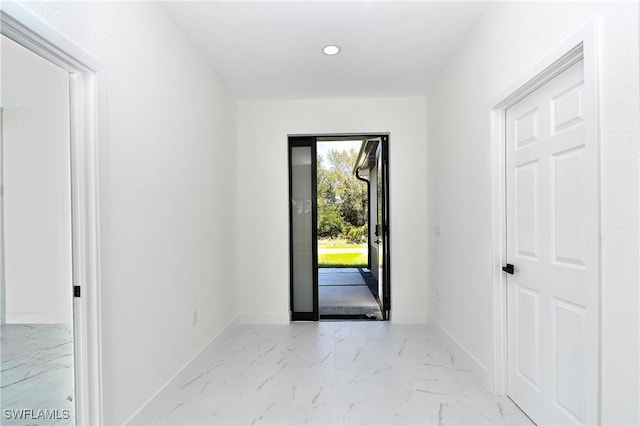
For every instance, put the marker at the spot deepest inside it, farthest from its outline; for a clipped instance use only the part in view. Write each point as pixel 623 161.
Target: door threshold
pixel 349 317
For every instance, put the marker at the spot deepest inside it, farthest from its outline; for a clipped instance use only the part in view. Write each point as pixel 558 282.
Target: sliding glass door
pixel 303 231
pixel 382 225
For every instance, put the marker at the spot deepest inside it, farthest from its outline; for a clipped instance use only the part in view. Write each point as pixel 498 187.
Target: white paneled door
pixel 552 243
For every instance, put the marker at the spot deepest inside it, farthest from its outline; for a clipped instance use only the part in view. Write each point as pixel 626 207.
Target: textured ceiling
pixel 272 50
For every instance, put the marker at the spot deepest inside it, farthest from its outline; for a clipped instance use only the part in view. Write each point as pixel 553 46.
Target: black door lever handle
pixel 509 269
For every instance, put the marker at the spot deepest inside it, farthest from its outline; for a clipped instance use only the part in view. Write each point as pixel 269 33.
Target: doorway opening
pixel 36 307
pixel 347 287
pixel 339 227
pixel 50 233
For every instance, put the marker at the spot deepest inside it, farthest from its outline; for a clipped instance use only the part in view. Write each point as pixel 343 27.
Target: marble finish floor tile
pixel 333 373
pixel 37 373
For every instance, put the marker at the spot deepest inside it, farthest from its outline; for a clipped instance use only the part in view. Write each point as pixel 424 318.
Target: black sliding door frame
pixel 304 141
pixel 386 270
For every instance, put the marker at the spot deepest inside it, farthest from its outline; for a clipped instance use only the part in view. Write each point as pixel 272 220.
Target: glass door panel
pixel 302 213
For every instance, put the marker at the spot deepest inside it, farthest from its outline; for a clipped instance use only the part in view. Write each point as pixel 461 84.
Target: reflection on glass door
pixel 379 219
pixel 379 178
pixel 382 160
pixel 302 214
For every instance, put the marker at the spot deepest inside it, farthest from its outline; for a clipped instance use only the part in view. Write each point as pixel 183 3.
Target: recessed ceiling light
pixel 331 50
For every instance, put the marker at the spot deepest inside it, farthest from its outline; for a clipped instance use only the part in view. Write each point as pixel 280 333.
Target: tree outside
pixel 342 210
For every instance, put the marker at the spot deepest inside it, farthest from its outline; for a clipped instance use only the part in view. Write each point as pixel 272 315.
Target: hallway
pixel 180 116
pixel 332 373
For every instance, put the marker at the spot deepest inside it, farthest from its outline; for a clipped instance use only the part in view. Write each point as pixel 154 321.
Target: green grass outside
pixel 342 246
pixel 342 260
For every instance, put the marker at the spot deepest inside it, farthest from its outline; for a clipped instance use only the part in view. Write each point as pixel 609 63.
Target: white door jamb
pixel 88 120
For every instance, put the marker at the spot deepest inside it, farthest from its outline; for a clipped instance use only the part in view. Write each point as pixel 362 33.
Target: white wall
pixel 263 227
pixel 36 188
pixel 508 41
pixel 169 236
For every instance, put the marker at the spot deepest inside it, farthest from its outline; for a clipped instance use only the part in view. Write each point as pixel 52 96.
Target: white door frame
pixel 581 45
pixel 88 121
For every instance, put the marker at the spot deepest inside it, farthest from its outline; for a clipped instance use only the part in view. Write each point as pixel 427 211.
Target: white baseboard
pixel 265 318
pixel 408 317
pixel 148 411
pixel 461 353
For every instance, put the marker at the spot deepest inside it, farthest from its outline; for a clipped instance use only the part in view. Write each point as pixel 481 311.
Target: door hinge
pixel 76 291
